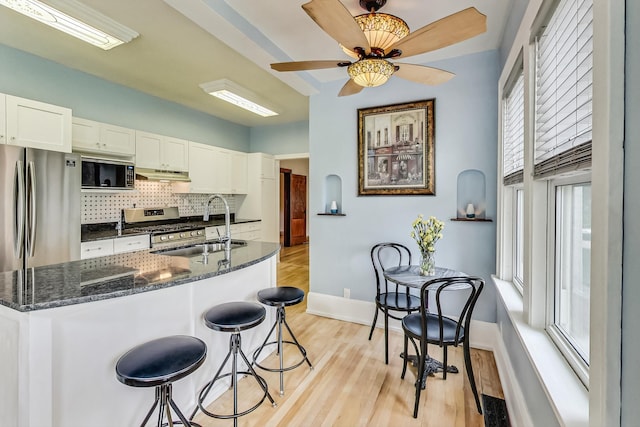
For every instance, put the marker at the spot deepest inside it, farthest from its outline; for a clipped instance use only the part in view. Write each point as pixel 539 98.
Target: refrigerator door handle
pixel 31 208
pixel 18 200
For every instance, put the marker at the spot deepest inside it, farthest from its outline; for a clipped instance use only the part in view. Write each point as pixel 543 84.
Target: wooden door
pixel 298 209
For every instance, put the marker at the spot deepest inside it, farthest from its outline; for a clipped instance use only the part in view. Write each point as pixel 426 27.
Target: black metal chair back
pixel 461 316
pixel 385 255
pixel 449 325
pixel 390 298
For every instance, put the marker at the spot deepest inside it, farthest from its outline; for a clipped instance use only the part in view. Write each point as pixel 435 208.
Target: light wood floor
pixel 350 385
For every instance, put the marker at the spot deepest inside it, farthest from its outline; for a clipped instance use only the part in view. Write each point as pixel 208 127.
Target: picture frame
pixel 396 149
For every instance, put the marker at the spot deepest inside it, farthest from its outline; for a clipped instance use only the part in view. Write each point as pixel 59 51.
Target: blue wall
pixel 466 138
pixel 518 7
pixel 291 138
pixel 29 76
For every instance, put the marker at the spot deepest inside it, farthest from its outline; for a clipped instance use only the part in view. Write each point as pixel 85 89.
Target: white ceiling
pixel 184 43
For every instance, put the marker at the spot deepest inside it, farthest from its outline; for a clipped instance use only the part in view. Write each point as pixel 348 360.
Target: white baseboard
pixel 486 336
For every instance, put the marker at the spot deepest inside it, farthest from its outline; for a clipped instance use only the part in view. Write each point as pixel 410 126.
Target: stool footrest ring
pixel 239 414
pixel 284 369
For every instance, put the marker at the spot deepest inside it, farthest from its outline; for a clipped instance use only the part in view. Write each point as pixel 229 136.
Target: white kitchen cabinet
pixel 201 164
pixel 222 170
pixel 242 231
pixel 3 119
pixel 95 137
pixel 239 172
pixel 131 243
pixel 118 245
pixel 262 199
pixel 161 152
pixel 216 170
pixel 96 248
pixel 35 124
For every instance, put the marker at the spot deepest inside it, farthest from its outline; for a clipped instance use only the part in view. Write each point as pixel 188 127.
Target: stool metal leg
pixel 235 348
pixel 280 320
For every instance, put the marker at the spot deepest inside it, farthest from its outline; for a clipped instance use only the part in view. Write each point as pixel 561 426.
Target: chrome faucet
pixel 227 220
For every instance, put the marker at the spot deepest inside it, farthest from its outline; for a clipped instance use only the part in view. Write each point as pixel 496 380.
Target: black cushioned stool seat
pixel 281 297
pixel 234 317
pixel 158 364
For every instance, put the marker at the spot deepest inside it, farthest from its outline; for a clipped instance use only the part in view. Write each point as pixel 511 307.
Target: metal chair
pixel 459 295
pixel 391 298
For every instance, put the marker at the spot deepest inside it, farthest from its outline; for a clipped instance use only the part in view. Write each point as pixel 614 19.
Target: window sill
pixel 566 394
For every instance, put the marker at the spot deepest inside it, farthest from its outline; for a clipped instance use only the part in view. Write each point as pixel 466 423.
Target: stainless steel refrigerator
pixel 40 214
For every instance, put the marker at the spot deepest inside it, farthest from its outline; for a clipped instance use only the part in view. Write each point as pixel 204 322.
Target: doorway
pixel 293 202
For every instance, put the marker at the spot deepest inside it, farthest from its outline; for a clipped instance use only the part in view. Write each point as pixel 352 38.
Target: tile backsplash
pixel 105 206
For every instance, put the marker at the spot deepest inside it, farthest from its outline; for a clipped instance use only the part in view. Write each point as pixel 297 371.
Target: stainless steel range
pixel 165 226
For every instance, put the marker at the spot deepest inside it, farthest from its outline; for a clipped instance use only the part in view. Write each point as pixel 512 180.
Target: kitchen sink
pixel 190 251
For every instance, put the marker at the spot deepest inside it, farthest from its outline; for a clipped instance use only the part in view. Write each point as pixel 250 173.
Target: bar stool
pixel 234 317
pixel 158 364
pixel 281 297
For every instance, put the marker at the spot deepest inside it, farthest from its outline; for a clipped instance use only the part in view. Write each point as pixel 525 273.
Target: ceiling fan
pixel 374 38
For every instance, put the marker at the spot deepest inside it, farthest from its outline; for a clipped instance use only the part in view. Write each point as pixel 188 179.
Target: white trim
pixel 485 336
pixel 291 156
pixel 567 396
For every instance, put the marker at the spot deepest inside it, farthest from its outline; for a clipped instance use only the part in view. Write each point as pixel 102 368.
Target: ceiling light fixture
pixel 370 72
pixel 75 19
pixel 237 95
pixel 380 29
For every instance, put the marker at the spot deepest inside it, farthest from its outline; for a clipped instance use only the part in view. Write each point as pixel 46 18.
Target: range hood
pixel 159 175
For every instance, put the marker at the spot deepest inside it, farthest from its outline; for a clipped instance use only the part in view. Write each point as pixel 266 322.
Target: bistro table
pixel 409 275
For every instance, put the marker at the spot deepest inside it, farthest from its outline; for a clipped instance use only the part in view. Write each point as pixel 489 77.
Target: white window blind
pixel 564 89
pixel 513 133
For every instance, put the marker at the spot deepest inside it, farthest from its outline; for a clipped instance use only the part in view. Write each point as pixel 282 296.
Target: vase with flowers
pixel 426 232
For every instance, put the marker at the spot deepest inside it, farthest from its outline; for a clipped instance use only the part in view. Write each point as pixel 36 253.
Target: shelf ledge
pixel 472 219
pixel 331 214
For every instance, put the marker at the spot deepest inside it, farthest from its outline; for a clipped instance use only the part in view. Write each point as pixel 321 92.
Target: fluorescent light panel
pixel 237 95
pixel 75 19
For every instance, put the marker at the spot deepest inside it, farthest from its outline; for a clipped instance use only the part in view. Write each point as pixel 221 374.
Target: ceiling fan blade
pixel 337 22
pixel 444 32
pixel 350 88
pixel 421 74
pixel 306 65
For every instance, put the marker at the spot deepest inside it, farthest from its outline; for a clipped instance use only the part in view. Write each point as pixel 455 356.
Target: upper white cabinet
pixel 161 152
pixel 3 119
pixel 96 137
pixel 262 200
pixel 239 172
pixel 216 170
pixel 35 124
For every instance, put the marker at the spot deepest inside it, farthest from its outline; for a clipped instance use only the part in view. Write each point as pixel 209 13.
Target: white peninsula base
pixel 58 365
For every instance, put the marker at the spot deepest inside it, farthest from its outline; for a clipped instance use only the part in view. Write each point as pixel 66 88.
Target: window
pixel 518 259
pixel 562 148
pixel 569 312
pixel 513 132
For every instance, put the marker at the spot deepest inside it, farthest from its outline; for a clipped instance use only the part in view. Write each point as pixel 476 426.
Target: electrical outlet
pixel 347 293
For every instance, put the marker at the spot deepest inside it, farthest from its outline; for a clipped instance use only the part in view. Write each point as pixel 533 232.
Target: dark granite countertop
pixel 91 232
pixel 119 275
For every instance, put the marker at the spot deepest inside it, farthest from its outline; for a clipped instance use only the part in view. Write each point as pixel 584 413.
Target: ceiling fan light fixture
pixel 75 19
pixel 381 30
pixel 370 72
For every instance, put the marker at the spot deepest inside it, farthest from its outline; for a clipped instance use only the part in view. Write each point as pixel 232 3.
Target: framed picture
pixel 396 149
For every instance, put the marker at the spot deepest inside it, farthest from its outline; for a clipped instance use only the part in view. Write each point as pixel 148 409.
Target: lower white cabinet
pixel 131 243
pixel 104 247
pixel 243 231
pixel 96 248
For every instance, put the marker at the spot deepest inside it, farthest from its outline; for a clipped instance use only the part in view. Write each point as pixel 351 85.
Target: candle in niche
pixel 334 207
pixel 471 211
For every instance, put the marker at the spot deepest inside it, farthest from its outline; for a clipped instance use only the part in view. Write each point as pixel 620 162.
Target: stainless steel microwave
pixel 107 174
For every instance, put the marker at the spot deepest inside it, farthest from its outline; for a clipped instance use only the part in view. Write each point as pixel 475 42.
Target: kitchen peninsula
pixel 63 327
